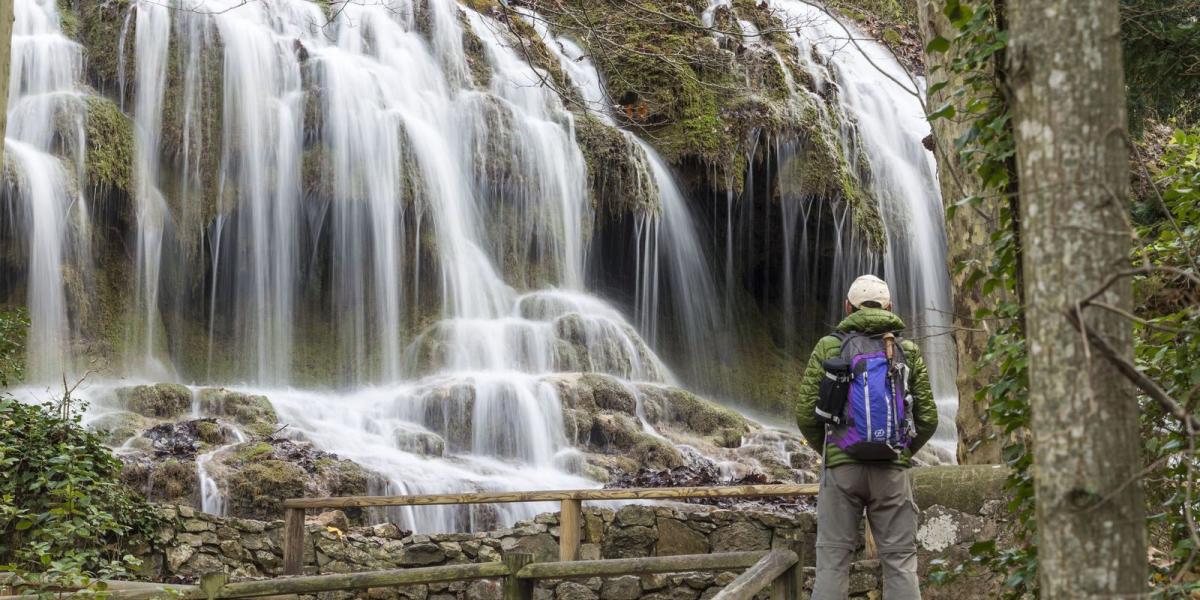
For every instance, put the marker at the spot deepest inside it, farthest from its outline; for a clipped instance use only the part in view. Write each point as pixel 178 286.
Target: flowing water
pixel 44 96
pixel 382 213
pixel 880 108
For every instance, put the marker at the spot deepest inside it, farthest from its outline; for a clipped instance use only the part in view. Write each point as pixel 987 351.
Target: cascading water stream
pixel 46 104
pixel 671 253
pixel 152 29
pixel 880 108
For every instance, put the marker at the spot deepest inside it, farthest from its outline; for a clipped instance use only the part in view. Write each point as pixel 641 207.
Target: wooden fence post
pixel 570 525
pixel 790 585
pixel 516 588
pixel 293 541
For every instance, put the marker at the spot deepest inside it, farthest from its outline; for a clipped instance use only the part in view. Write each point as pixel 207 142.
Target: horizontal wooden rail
pixel 641 566
pixel 741 491
pixel 570 520
pixel 765 572
pixel 312 584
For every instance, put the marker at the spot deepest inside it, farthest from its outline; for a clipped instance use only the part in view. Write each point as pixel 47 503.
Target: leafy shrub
pixel 65 518
pixel 13 324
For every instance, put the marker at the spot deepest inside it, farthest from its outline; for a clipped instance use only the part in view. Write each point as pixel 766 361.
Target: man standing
pixel 866 404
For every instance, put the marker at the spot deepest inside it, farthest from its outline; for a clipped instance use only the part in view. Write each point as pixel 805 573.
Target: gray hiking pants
pixel 886 492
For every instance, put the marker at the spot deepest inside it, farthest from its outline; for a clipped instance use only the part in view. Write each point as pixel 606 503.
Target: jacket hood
pixel 871 320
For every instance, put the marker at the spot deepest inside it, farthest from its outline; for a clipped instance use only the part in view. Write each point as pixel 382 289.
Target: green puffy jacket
pixel 869 321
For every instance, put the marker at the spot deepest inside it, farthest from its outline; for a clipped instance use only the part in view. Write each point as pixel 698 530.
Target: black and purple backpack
pixel 864 397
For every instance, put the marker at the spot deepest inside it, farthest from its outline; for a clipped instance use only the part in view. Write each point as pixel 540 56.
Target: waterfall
pixel 152 31
pixel 671 256
pixel 880 108
pixel 45 106
pixel 378 217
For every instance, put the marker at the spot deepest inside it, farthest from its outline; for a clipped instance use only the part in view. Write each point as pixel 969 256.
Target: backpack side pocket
pixel 835 390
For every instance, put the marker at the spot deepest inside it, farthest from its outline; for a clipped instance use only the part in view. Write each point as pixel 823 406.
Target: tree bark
pixel 967 243
pixel 1069 118
pixel 6 30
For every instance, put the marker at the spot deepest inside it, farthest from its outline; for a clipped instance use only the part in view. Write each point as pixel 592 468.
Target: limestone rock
pixel 675 537
pixel 738 537
pixel 484 589
pixel 629 542
pixel 635 514
pixel 626 587
pixel 178 555
pixel 333 518
pixel 115 428
pixel 570 590
pixel 542 546
pixel 161 400
pixel 253 411
pixel 423 554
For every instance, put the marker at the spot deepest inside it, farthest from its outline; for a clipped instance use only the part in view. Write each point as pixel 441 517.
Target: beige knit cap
pixel 869 288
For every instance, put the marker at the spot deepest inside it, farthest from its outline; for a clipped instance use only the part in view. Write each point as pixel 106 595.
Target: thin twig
pixel 1131 372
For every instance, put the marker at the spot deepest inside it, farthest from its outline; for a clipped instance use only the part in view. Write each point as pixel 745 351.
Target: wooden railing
pixel 781 569
pixel 570 514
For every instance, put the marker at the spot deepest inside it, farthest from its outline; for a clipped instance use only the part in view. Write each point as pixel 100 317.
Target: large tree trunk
pixel 6 29
pixel 1069 118
pixel 967 243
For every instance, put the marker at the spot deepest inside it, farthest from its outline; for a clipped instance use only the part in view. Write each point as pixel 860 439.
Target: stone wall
pixel 196 543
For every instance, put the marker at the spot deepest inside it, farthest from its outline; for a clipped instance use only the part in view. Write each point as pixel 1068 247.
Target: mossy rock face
pixel 109 160
pixel 253 411
pixel 160 400
pixel 98 28
pixel 619 183
pixel 171 481
pixel 254 490
pixel 681 407
pixel 256 476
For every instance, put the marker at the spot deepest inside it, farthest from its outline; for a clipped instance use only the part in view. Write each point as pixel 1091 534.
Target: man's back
pixel 867 321
pixel 851 485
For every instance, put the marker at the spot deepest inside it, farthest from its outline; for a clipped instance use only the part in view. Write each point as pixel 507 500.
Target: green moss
pixel 99 30
pixel 477 61
pixel 655 453
pixel 210 432
pixel 252 452
pixel 256 489
pixel 109 160
pixel 163 400
pixel 68 18
pixel 618 185
pixel 244 408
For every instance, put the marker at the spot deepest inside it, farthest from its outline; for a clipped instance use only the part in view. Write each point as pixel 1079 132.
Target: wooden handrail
pixel 518 570
pixel 311 584
pixel 741 491
pixel 570 520
pixel 641 566
pixel 764 573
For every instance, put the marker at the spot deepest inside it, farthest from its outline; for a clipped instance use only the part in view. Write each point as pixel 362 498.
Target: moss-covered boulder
pixel 252 411
pixel 172 481
pixel 256 476
pixel 160 400
pixel 619 181
pixel 109 158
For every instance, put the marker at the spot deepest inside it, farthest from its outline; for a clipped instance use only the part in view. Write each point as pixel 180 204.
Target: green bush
pixel 65 518
pixel 13 324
